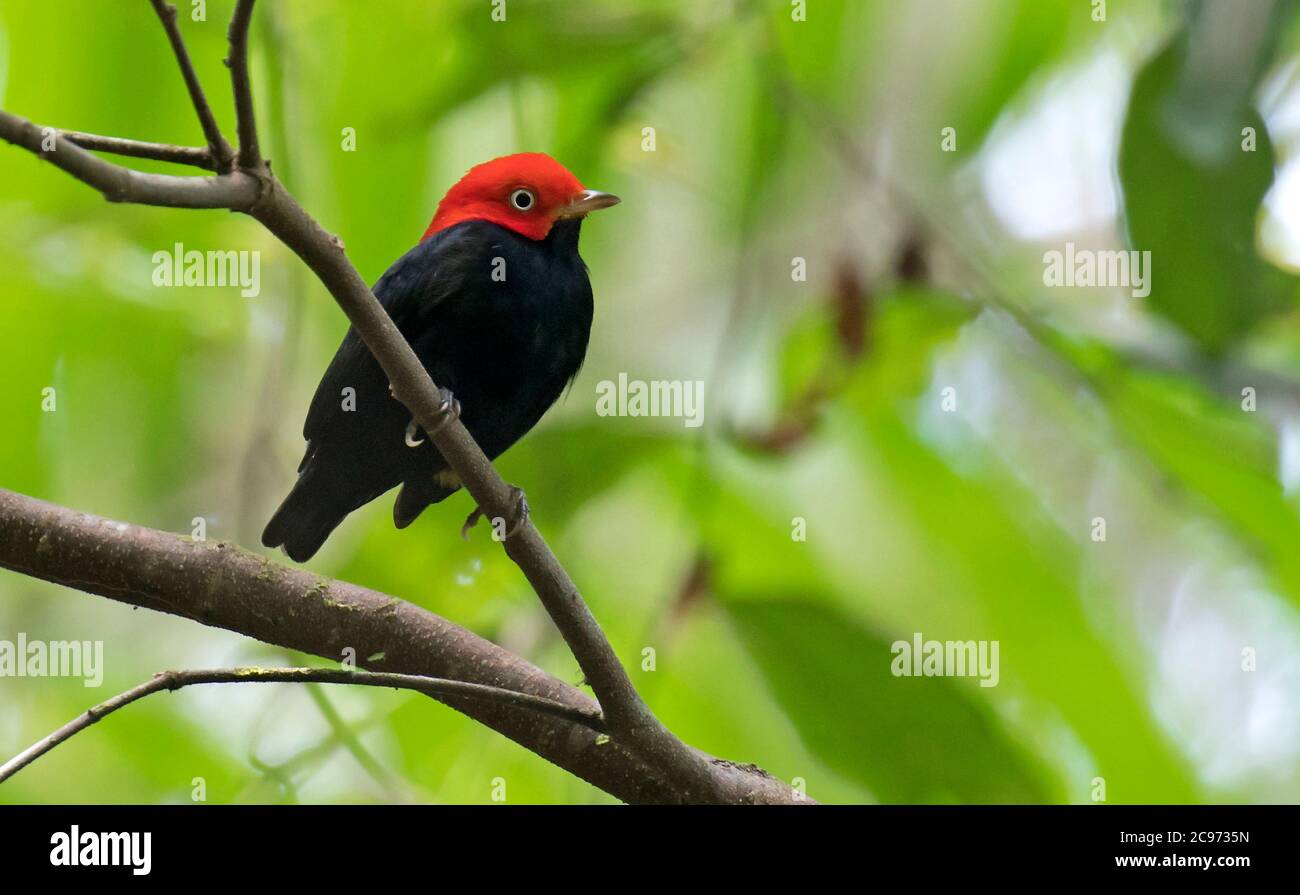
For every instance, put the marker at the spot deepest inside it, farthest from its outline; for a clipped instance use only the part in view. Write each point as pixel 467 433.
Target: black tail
pixel 303 521
pixel 417 494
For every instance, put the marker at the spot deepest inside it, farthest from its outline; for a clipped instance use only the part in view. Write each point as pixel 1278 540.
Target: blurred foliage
pixel 927 743
pixel 946 430
pixel 1192 194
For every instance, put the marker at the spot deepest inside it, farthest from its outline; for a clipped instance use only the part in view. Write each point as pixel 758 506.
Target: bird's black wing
pixel 354 429
pixel 411 291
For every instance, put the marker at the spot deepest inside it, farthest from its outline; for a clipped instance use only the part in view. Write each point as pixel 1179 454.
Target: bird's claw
pixel 470 521
pixel 521 514
pixel 448 410
pixel 411 441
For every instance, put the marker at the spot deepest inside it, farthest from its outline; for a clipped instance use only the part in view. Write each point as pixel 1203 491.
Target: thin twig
pixel 218 148
pixel 246 123
pixel 236 190
pixel 195 156
pixel 175 680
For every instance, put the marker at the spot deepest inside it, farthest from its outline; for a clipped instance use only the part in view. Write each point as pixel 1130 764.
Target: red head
pixel 526 193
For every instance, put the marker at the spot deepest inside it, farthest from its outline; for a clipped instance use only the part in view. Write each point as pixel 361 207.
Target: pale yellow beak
pixel 586 202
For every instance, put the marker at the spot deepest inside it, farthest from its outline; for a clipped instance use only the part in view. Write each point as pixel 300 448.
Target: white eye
pixel 522 199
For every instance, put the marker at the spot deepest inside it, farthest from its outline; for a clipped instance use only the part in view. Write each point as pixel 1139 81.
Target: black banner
pixel 334 844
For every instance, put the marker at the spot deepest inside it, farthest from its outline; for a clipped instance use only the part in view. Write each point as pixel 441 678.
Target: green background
pixel 774 139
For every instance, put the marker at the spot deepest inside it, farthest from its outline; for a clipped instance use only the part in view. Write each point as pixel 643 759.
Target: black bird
pixel 496 303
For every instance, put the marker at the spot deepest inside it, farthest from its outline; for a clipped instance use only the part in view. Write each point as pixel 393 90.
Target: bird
pixel 496 303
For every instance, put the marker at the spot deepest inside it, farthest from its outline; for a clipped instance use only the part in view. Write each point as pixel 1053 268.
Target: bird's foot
pixel 448 410
pixel 500 531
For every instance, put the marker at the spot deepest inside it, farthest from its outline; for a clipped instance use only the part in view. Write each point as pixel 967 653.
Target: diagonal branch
pixel 175 680
pixel 624 709
pixel 196 156
pixel 218 148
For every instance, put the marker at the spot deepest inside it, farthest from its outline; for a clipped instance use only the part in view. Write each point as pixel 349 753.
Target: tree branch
pixel 250 155
pixel 196 156
pixel 221 585
pixel 175 680
pixel 218 149
pixel 236 191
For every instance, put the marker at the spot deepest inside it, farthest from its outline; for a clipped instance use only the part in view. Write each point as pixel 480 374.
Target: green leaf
pixel 1224 458
pixel 909 739
pixel 1192 197
pixel 1035 33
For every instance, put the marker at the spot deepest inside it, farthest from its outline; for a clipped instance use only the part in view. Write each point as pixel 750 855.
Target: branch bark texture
pixel 221 585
